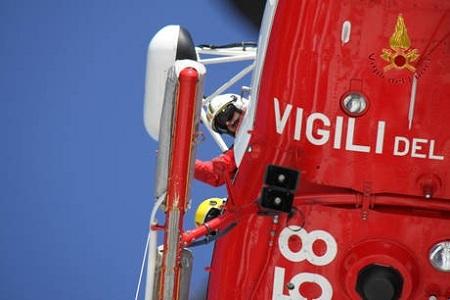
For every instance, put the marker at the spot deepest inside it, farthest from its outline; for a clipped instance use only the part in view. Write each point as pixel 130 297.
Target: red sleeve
pixel 215 171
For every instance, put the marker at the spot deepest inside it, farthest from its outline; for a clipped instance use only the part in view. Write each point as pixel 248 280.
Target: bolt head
pixel 277 201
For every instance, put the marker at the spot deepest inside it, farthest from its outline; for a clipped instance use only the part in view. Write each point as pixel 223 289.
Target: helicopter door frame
pixel 243 137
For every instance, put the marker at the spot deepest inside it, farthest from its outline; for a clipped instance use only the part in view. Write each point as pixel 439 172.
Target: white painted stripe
pixel 412 101
pixel 346 32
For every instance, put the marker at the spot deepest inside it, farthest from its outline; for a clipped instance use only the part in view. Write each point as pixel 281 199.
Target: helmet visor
pixel 212 213
pixel 225 115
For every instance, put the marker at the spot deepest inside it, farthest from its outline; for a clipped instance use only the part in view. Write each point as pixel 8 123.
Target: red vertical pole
pixel 183 133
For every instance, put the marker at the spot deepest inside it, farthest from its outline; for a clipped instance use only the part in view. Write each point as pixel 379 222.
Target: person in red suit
pixel 225 113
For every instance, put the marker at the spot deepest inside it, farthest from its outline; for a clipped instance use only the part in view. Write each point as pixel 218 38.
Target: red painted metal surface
pixel 361 199
pixel 179 168
pixel 390 236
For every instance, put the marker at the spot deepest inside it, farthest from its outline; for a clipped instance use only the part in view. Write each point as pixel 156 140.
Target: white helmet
pixel 220 107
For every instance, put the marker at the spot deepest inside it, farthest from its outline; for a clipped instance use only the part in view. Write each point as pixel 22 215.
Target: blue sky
pixel 76 165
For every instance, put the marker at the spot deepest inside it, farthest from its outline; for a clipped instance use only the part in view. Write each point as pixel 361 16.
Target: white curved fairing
pixel 161 55
pixel 243 136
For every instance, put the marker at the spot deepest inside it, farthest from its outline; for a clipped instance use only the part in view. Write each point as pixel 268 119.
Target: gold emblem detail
pixel 400 55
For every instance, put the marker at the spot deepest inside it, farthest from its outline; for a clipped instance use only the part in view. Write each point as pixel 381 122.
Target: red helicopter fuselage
pixel 373 196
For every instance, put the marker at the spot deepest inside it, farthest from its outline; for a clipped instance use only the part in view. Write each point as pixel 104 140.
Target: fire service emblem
pixel 400 55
